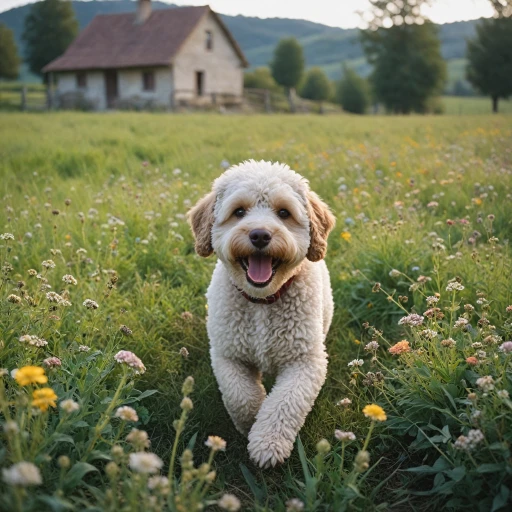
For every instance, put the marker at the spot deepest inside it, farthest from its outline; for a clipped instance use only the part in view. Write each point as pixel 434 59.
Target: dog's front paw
pixel 268 448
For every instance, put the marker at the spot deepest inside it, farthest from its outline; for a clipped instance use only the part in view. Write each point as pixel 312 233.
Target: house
pixel 160 59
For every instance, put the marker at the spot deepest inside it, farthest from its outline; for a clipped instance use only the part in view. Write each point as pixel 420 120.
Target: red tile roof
pixel 116 41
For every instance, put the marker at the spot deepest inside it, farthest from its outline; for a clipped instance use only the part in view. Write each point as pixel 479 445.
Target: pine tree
pixel 9 59
pixel 287 66
pixel 50 27
pixel 404 49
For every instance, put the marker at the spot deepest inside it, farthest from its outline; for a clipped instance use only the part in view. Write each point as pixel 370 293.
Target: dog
pixel 269 301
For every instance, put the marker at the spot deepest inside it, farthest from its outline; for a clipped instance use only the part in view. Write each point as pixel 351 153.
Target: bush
pixel 352 92
pixel 316 86
pixel 261 78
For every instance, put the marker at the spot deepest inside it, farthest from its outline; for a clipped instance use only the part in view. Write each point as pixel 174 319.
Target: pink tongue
pixel 260 268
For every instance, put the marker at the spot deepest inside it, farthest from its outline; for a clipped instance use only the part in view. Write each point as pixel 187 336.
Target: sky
pixel 335 13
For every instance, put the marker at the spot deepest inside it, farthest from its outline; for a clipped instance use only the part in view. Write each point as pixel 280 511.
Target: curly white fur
pixel 285 338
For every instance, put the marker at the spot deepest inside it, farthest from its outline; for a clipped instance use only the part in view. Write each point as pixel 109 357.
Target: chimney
pixel 143 11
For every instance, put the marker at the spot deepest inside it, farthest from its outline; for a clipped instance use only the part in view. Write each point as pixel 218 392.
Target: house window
pixel 81 80
pixel 148 81
pixel 209 40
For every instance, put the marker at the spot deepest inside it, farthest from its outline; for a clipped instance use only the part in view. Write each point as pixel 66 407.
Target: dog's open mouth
pixel 259 268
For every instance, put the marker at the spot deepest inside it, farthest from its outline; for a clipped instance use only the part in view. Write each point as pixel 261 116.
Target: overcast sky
pixel 336 13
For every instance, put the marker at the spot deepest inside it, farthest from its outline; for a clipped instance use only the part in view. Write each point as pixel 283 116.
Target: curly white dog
pixel 270 300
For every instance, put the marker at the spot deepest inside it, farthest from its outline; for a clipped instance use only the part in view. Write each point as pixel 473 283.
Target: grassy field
pixel 419 201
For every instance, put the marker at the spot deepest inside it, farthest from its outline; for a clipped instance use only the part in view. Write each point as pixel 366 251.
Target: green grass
pixel 377 173
pixel 473 106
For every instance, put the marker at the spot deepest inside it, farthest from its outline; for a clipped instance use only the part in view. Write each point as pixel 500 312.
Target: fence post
pixel 24 97
pixel 214 98
pixel 49 99
pixel 173 101
pixel 268 106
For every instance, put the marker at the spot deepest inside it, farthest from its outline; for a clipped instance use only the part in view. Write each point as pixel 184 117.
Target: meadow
pixel 102 314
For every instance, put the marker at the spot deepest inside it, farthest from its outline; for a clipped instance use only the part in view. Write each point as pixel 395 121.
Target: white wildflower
pixel 22 474
pixel 144 462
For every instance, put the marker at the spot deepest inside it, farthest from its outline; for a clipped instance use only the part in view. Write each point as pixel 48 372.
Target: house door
pixel 199 83
pixel 111 89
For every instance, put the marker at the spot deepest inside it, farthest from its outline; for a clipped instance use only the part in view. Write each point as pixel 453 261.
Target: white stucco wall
pixel 130 85
pixel 94 90
pixel 223 71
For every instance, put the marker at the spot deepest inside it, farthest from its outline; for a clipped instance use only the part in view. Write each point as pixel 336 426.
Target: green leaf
pixel 457 473
pixel 62 438
pixel 146 393
pixel 76 473
pixel 501 499
pixel 80 424
pixel 192 442
pixel 490 468
pixel 258 492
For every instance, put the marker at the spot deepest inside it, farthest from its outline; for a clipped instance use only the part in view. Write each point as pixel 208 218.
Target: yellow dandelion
pixel 398 174
pixel 44 398
pixel 477 201
pixel 375 412
pixel 346 236
pixel 31 375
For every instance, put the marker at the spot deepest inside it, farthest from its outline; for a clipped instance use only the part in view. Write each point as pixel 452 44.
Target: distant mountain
pixel 323 46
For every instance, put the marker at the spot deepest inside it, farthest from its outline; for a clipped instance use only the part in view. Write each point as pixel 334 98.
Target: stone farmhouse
pixel 159 59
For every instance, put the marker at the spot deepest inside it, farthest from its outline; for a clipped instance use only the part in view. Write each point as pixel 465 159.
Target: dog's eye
pixel 284 214
pixel 239 212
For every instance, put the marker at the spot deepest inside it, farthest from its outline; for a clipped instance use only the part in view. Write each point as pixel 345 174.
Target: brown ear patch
pixel 200 218
pixel 321 222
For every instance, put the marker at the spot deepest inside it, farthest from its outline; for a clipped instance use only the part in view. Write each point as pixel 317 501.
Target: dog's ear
pixel 200 218
pixel 321 222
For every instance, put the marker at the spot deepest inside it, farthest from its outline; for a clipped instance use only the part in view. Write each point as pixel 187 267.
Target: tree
pixel 316 86
pixel 352 92
pixel 403 47
pixel 50 27
pixel 287 66
pixel 9 59
pixel 260 78
pixel 489 56
pixel 502 8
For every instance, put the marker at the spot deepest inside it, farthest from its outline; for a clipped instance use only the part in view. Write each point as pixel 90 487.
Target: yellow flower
pixel 44 398
pixel 375 412
pixel 31 375
pixel 477 201
pixel 346 236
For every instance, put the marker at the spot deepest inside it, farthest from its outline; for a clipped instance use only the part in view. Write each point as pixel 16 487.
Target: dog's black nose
pixel 260 238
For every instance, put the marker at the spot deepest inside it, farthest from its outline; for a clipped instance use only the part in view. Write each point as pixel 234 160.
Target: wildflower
pixel 372 346
pixel 33 340
pixel 11 427
pixel 460 323
pixel 69 279
pixel 472 396
pixel 53 297
pixel 412 320
pixel 7 236
pixel 375 412
pixel 127 414
pixel 372 379
pixel 90 304
pixel 469 442
pixel 14 299
pixel 131 360
pixel 401 347
pixel 138 438
pixel 449 342
pixel 356 362
pixel 469 308
pixel 323 446
pixel 31 272
pixel 394 273
pixel 294 505
pixel 186 404
pixel 44 398
pixel 344 436
pixel 473 361
pixel 126 330
pixel 485 383
pixel 187 315
pixel 506 347
pixel 216 443
pixel 30 375
pixel 188 385
pixel 434 313
pixel 362 461
pixel 160 484
pixel 508 309
pixel 423 279
pixel 52 362
pixel 83 348
pixel 429 334
pixel 344 402
pixel 431 300
pixel 502 393
pixel 454 286
pixel 346 236
pixel 183 352
pixel 144 462
pixel 64 462
pixel 229 502
pixel 22 474
pixel 48 264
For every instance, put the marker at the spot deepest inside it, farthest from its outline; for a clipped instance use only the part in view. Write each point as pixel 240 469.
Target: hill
pixel 323 46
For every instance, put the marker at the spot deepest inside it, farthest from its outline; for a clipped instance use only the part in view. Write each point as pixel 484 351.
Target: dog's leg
pixel 283 412
pixel 242 390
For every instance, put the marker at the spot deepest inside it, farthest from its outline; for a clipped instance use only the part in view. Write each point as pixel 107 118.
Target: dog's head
pixel 262 221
